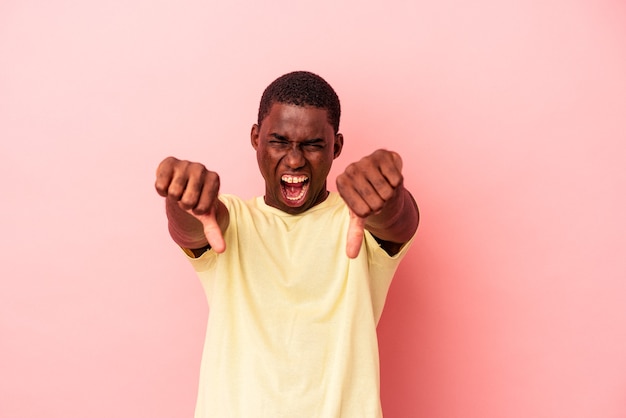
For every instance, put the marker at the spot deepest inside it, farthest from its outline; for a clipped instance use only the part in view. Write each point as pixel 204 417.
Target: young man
pixel 296 279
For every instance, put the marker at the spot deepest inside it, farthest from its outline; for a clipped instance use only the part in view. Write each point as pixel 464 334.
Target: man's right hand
pixel 190 188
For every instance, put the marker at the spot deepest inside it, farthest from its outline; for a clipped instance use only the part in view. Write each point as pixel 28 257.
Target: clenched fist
pixel 373 190
pixel 191 188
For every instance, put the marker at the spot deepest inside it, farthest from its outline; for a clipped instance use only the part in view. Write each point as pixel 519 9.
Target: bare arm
pixel 196 217
pixel 374 191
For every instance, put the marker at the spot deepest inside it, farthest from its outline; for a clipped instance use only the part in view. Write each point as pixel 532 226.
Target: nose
pixel 294 158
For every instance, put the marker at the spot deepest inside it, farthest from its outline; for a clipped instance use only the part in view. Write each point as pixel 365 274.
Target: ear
pixel 338 146
pixel 254 136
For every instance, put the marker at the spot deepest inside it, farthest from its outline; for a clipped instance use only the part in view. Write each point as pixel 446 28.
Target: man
pixel 295 280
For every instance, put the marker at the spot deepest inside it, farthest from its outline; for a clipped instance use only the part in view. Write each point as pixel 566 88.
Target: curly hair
pixel 301 88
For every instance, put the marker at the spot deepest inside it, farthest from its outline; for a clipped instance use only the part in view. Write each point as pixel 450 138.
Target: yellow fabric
pixel 292 320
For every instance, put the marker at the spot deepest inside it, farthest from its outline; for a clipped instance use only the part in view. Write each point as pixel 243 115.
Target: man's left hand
pixel 367 186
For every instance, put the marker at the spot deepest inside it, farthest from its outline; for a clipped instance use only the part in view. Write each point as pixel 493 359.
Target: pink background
pixel 511 121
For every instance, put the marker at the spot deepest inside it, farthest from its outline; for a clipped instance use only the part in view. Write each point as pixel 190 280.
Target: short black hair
pixel 301 88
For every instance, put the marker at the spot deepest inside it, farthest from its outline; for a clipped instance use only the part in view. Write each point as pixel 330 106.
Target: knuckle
pixel 386 194
pixel 212 178
pixel 342 182
pixel 179 182
pixel 185 204
pixel 196 168
pixel 396 179
pixel 377 207
pixel 167 164
pixel 174 193
pixel 160 188
pixel 189 198
pixel 352 169
pixel 384 188
pixel 176 188
pixel 362 210
pixel 378 155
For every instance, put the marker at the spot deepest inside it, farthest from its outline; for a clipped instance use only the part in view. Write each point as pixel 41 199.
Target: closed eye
pixel 311 144
pixel 278 140
pixel 315 144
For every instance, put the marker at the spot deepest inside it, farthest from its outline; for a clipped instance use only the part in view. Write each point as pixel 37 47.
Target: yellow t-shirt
pixel 292 320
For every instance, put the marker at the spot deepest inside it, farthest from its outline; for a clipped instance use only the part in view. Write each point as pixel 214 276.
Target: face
pixel 295 148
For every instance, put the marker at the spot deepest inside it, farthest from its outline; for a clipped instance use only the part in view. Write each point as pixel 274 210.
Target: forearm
pixel 398 220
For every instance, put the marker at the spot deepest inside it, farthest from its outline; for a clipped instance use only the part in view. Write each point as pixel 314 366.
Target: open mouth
pixel 294 188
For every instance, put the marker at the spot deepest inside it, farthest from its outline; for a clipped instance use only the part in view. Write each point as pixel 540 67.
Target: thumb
pixel 356 230
pixel 212 231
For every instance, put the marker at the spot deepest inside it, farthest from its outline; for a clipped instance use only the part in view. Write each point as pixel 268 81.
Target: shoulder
pixel 230 199
pixel 236 203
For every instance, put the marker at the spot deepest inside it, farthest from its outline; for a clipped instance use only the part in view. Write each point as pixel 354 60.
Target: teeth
pixel 294 179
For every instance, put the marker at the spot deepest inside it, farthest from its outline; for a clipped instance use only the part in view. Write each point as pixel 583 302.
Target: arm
pixel 374 191
pixel 196 217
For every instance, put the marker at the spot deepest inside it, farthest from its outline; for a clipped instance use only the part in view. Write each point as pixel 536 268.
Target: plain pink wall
pixel 511 121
